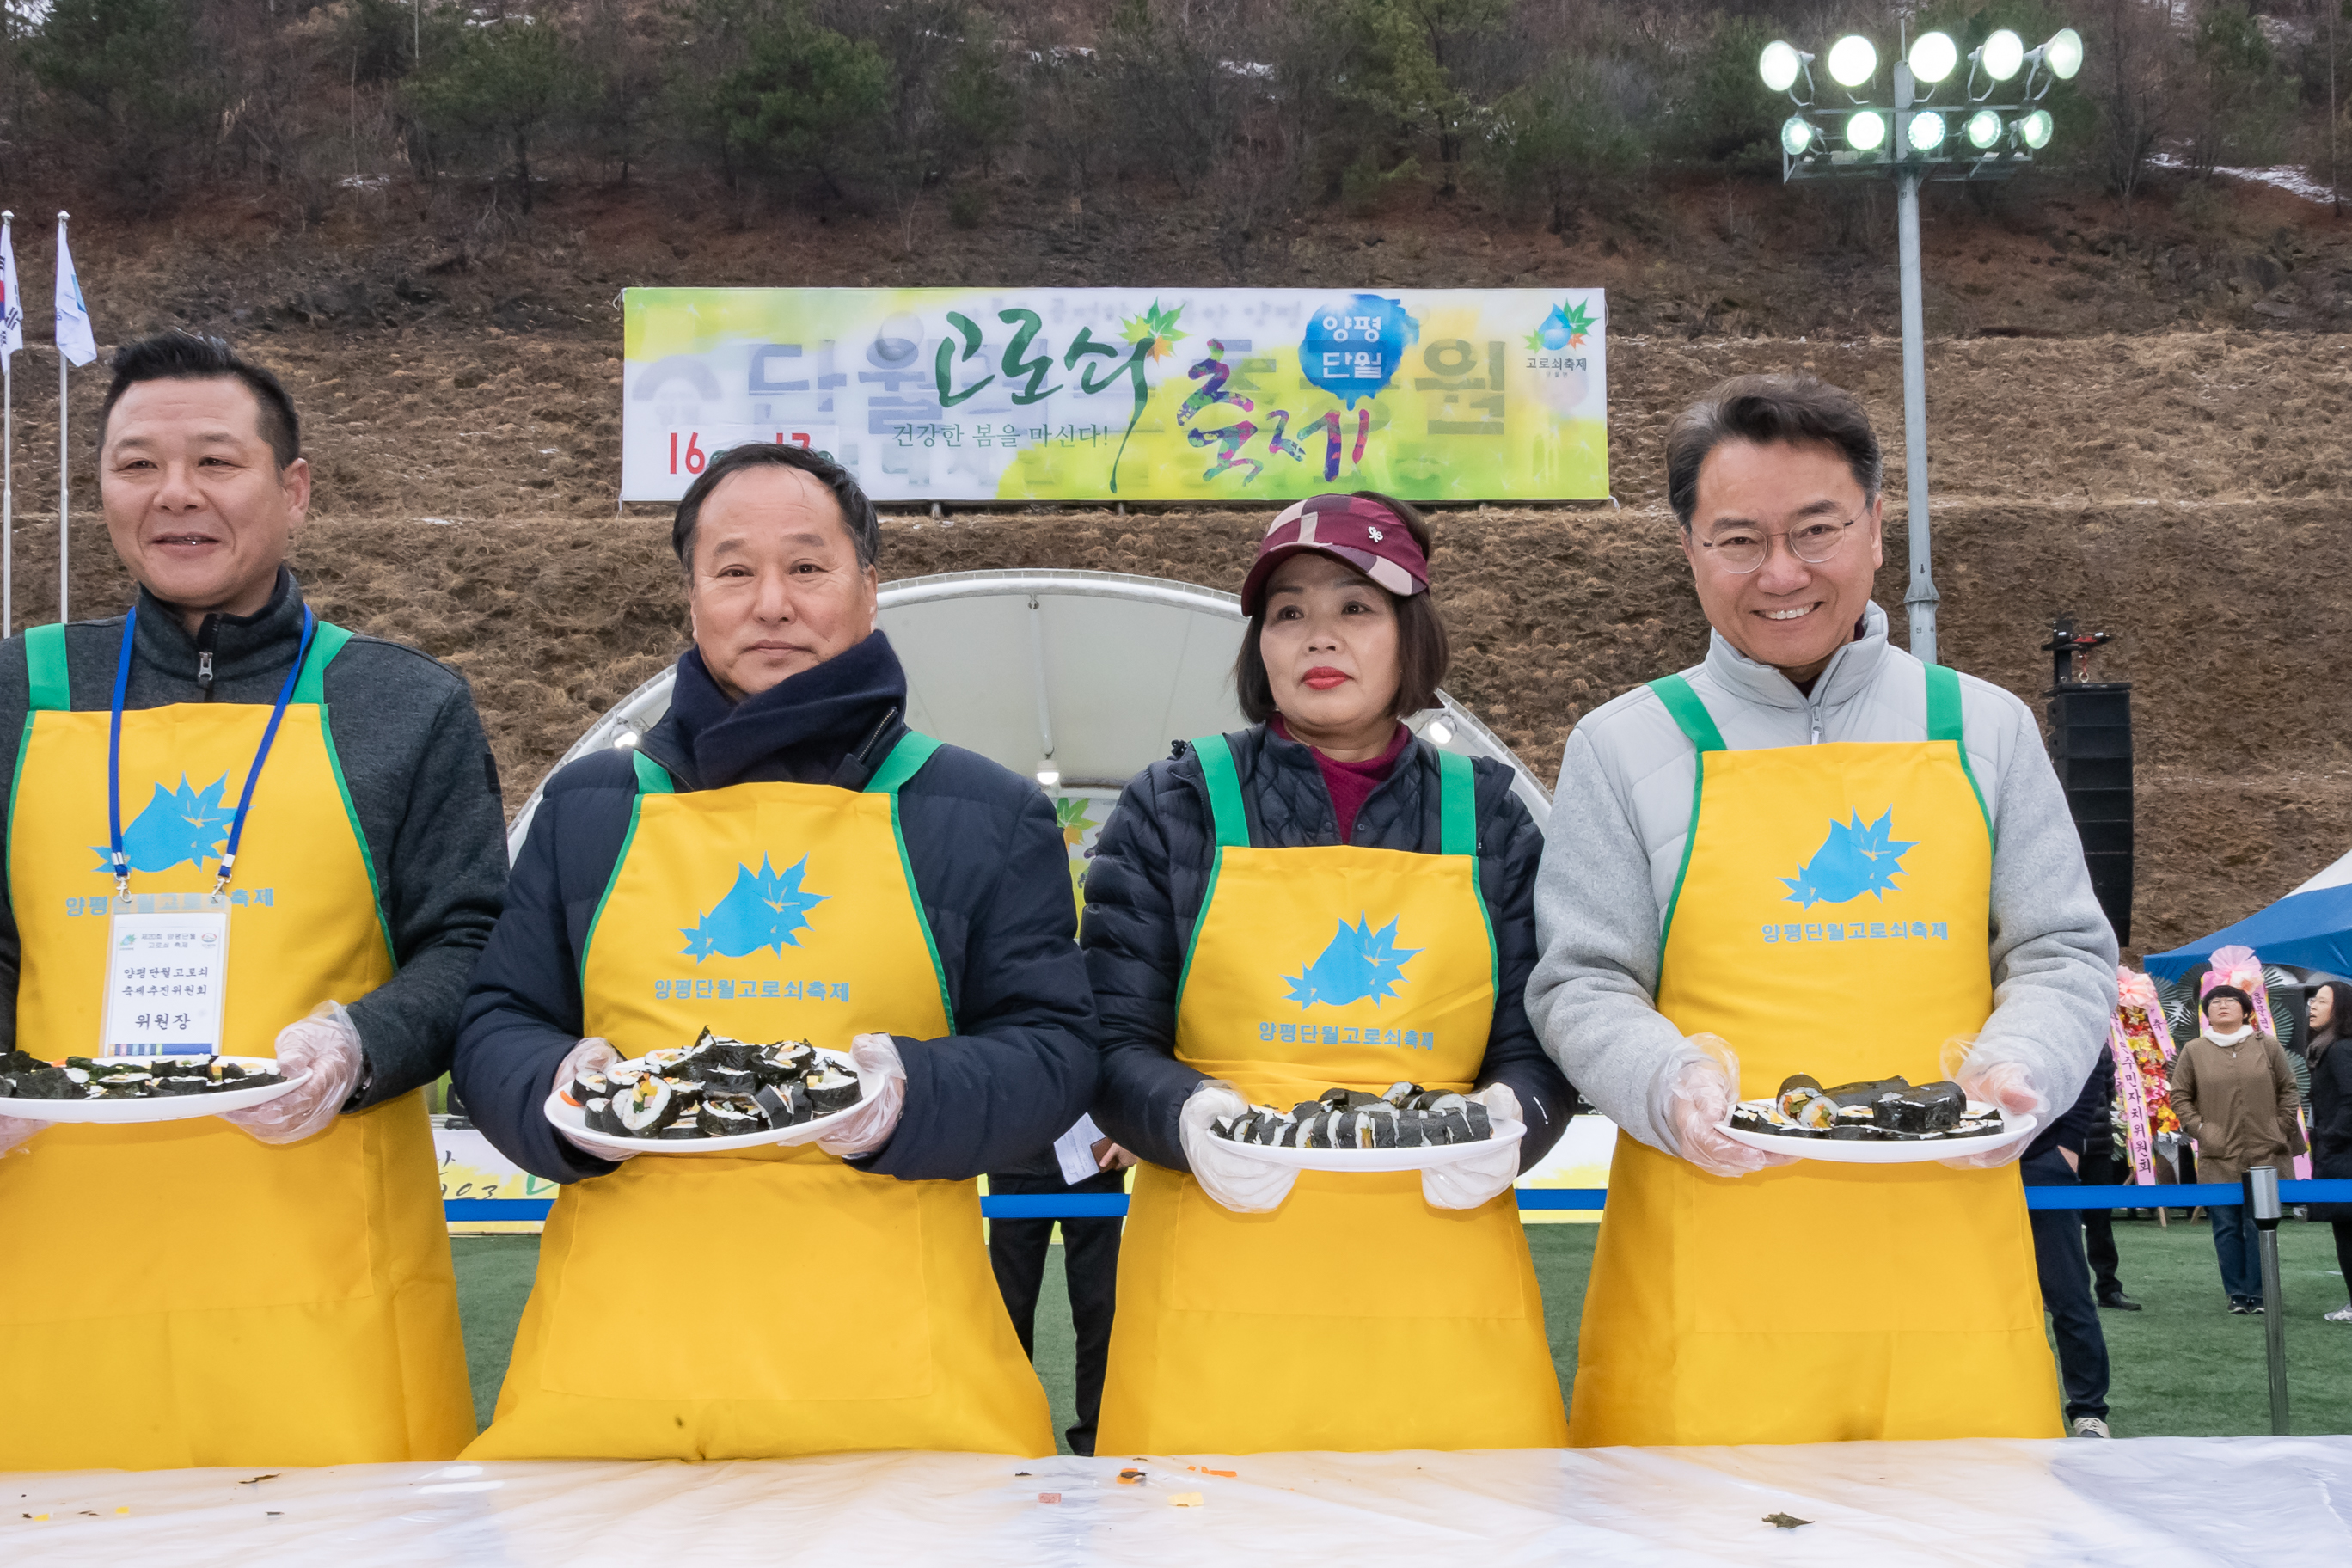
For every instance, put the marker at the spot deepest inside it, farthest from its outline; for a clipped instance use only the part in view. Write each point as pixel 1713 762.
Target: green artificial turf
pixel 2184 1366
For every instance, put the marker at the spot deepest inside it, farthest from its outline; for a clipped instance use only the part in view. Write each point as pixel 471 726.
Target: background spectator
pixel 2235 1095
pixel 2330 1016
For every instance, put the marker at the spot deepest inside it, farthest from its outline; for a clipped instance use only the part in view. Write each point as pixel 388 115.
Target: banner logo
pixel 1852 861
pixel 766 907
pixel 177 827
pixel 1360 964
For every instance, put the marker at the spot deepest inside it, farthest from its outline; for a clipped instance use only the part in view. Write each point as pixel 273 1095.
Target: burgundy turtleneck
pixel 1351 784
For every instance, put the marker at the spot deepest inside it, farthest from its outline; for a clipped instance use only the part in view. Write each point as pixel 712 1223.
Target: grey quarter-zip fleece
pixel 423 787
pixel 1614 852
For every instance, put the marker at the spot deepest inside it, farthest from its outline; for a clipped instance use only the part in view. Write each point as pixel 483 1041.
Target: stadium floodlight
pixel 1780 65
pixel 1983 130
pixel 1865 130
pixel 2034 130
pixel 2063 54
pixel 2001 55
pixel 1796 136
pixel 1933 56
pixel 1927 133
pixel 1853 60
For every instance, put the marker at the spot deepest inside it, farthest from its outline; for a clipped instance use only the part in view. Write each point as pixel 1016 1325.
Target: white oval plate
pixel 573 1121
pixel 1424 1159
pixel 163 1108
pixel 2015 1129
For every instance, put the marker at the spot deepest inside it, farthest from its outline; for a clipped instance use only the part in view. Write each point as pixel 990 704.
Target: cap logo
pixel 1375 534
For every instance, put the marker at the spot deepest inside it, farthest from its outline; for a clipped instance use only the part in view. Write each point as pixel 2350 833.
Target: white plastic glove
pixel 867 1128
pixel 323 1049
pixel 1229 1177
pixel 593 1054
pixel 1486 1176
pixel 13 1130
pixel 1692 1101
pixel 2005 1084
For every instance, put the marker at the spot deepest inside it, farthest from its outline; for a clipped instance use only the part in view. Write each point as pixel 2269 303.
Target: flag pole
pixel 64 463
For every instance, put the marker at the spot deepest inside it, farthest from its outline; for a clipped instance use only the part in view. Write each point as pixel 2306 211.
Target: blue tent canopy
pixel 2311 928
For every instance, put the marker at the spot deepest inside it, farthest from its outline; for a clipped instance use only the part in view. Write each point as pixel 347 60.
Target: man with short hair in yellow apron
pixel 1810 854
pixel 780 858
pixel 270 1286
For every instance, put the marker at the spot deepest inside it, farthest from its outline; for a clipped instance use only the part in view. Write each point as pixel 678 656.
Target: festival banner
pixel 1240 396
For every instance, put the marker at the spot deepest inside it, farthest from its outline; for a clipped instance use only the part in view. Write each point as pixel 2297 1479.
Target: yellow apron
pixel 777 1301
pixel 1831 919
pixel 188 1296
pixel 1355 1316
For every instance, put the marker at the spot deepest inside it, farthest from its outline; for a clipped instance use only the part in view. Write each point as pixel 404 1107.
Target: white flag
pixel 74 338
pixel 12 305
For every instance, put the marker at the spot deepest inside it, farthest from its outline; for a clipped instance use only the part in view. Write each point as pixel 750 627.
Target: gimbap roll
pixel 731 1115
pixel 587 1086
pixel 787 1105
pixel 831 1089
pixel 598 1114
pixel 1377 1128
pixel 53 1083
pixel 648 1108
pixel 622 1076
pixel 182 1083
pixel 724 1078
pixel 1411 1129
pixel 1270 1127
pixel 1307 1107
pixel 14 1061
pixel 1457 1125
pixel 1482 1121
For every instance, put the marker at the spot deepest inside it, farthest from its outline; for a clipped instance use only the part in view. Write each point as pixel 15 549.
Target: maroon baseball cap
pixel 1365 535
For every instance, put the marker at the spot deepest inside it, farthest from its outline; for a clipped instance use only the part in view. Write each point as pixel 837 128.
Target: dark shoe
pixel 2253 1306
pixel 2238 1306
pixel 2119 1302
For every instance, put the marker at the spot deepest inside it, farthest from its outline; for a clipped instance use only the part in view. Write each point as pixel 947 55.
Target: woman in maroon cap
pixel 1324 900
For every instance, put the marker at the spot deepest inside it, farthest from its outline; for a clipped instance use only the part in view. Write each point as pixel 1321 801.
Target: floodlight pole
pixel 1920 599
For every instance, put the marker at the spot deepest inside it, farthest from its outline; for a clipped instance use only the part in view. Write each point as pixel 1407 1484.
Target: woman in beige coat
pixel 2235 1095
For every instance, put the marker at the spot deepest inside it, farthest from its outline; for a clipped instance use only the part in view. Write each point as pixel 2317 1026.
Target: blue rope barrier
pixel 1110 1206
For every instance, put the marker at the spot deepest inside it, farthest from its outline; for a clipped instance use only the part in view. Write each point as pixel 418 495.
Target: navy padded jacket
pixel 990 871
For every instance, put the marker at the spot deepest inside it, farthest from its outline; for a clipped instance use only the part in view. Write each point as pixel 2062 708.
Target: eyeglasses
pixel 1742 549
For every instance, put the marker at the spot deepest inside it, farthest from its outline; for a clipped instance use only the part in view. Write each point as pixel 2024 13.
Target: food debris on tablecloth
pixel 1183 1499
pixel 1785 1520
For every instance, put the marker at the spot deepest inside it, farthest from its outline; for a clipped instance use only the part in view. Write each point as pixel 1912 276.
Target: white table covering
pixel 2146 1502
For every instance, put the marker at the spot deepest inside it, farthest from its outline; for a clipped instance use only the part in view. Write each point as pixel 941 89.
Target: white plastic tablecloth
pixel 2146 1503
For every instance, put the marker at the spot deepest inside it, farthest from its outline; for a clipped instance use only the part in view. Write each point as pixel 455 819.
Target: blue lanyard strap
pixel 121 862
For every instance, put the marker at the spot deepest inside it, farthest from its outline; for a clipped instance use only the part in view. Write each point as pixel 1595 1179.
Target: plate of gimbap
pixel 116 1090
pixel 1876 1121
pixel 1407 1128
pixel 713 1096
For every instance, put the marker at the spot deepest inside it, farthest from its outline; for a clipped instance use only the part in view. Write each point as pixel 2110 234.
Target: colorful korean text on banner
pixel 1095 394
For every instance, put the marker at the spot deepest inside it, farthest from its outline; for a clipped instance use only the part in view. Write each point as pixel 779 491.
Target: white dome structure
pixel 1078 678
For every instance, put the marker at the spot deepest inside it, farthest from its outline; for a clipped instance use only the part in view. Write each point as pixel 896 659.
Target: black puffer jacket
pixel 1150 871
pixel 2331 1120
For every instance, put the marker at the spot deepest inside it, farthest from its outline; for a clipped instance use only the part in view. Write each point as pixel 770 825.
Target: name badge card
pixel 166 965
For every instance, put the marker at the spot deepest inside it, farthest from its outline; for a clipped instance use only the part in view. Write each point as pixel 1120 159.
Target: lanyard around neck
pixel 121 862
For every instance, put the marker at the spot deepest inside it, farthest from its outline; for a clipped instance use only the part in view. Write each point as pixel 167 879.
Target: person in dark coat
pixel 2054 1159
pixel 1019 1249
pixel 780 857
pixel 1211 904
pixel 2330 1016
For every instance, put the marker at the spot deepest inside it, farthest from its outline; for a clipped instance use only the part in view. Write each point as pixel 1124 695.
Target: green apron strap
pixel 45 663
pixel 1688 712
pixel 1226 812
pixel 1457 806
pixel 652 777
pixel 1944 724
pixel 1943 702
pixel 904 761
pixel 326 642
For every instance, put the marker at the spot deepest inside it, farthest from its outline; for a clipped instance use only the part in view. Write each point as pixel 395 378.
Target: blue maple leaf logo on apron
pixel 766 907
pixel 1361 962
pixel 1852 861
pixel 177 827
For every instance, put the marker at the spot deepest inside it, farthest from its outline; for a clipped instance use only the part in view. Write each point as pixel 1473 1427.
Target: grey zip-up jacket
pixel 422 782
pixel 1613 850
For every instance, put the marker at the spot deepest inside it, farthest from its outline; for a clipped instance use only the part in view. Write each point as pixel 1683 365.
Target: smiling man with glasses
pixel 1809 854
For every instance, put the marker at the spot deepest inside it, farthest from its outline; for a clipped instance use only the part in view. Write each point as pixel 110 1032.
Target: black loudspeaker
pixel 2091 747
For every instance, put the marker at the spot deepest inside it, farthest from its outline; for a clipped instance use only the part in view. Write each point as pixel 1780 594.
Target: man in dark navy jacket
pixel 987 860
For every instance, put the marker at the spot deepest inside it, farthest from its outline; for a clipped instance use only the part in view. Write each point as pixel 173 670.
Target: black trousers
pixel 2066 1292
pixel 2342 1228
pixel 2099 1225
pixel 1017 1249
